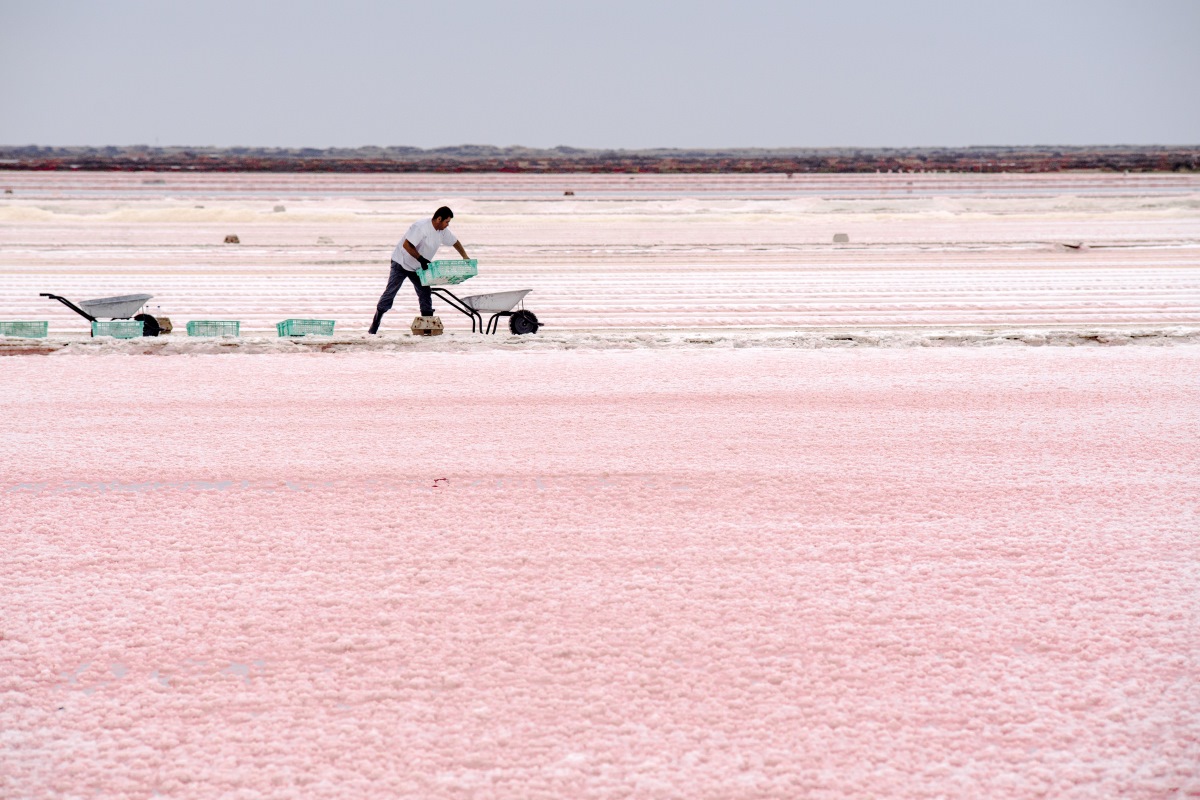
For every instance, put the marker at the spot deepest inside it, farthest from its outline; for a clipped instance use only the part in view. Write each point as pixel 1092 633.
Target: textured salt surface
pixel 624 252
pixel 966 572
pixel 705 339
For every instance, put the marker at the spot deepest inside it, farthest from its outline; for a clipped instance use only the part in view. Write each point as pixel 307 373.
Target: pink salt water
pixel 742 573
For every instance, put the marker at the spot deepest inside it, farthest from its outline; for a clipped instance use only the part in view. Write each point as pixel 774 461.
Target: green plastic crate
pixel 305 327
pixel 24 330
pixel 118 328
pixel 449 271
pixel 214 327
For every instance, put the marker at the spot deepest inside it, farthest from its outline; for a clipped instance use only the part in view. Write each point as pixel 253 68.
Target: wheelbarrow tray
pixel 121 307
pixel 496 301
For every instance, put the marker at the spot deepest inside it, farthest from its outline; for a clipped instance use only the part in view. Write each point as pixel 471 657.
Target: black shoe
pixel 375 322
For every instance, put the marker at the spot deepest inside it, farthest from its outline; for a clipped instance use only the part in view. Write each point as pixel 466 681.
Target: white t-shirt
pixel 425 239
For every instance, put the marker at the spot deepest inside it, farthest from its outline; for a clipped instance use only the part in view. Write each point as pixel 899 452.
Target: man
pixel 414 252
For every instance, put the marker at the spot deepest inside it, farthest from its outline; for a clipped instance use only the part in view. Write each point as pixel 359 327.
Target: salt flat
pixel 656 573
pixel 756 515
pixel 624 252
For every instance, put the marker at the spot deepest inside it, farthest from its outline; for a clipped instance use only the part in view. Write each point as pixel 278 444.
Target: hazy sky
pixel 620 73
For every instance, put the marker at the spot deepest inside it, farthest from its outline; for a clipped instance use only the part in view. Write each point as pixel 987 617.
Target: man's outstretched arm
pixel 458 246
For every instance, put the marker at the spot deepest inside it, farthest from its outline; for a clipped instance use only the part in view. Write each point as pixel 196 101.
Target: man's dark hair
pixel 443 213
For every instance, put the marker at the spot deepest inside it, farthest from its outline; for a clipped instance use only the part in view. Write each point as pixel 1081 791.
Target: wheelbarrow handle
pixel 69 305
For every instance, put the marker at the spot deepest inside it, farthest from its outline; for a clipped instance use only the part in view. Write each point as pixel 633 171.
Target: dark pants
pixel 395 281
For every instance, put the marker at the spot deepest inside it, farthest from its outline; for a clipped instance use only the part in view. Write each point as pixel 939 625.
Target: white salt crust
pixel 462 342
pixel 725 573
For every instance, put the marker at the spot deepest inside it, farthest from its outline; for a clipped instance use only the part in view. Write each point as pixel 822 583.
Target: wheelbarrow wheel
pixel 150 326
pixel 522 322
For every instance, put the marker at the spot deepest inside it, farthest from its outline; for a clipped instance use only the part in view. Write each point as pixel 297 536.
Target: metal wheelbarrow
pixel 125 306
pixel 498 304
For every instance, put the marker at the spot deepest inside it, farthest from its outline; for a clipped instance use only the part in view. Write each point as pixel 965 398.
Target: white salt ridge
pixel 604 340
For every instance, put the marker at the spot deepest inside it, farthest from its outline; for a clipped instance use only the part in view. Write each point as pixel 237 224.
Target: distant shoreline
pixel 567 160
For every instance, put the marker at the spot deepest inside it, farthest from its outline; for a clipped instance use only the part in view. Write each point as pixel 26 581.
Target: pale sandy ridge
pixel 712 338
